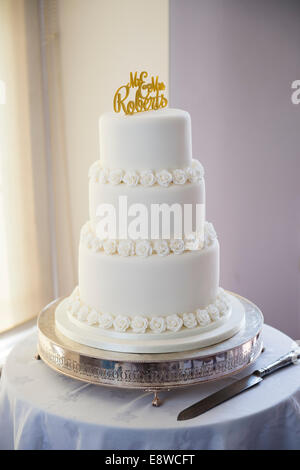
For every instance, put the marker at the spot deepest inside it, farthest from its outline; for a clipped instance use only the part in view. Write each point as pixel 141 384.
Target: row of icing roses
pixel 140 324
pixel 145 248
pixel 191 174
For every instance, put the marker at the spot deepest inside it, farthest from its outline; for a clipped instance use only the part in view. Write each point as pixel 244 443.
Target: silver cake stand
pixel 149 372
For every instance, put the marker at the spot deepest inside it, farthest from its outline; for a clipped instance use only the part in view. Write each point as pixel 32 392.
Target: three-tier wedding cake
pixel 157 292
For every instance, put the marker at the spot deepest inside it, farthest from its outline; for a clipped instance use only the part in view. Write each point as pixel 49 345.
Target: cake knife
pixel 237 387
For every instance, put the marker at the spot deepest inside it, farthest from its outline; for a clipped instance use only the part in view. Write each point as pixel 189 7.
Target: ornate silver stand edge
pixel 150 372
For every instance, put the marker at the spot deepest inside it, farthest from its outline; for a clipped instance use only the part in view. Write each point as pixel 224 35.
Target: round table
pixel 41 409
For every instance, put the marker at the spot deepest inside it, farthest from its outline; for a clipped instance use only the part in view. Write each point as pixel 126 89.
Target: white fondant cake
pixel 157 292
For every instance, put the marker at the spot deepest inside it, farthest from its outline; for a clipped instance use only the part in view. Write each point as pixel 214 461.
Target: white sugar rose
pixel 139 324
pixel 189 320
pixel 203 317
pixel 131 178
pixel 196 164
pixel 103 175
pixel 222 307
pixel 210 230
pixel 177 246
pixel 147 178
pixel 83 313
pixel 74 307
pixel 143 248
pixel 95 166
pixel 110 246
pixel 164 178
pixel 94 171
pixel 161 247
pixel 115 176
pixel 86 229
pixel 213 312
pixel 95 177
pixel 92 318
pixel 192 242
pixel 126 248
pixel 209 233
pixel 191 174
pixel 105 321
pixel 179 176
pixel 158 324
pixel 195 172
pixel 174 322
pixel 221 293
pixel 121 323
pixel 88 239
pixel 224 297
pixel 96 244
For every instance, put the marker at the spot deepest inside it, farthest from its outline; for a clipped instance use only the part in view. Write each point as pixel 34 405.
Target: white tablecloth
pixel 41 409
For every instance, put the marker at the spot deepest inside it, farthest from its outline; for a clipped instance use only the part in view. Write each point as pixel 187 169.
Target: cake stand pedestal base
pixel 149 372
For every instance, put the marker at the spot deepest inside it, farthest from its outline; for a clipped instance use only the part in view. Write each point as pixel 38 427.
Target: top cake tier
pixel 152 140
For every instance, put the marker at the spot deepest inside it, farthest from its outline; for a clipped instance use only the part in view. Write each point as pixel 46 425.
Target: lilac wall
pixel 232 63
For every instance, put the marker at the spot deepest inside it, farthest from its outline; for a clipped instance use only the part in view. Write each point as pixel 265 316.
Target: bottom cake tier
pixel 149 286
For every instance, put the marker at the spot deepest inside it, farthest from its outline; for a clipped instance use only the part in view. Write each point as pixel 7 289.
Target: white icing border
pixel 138 324
pixel 145 248
pixel 147 178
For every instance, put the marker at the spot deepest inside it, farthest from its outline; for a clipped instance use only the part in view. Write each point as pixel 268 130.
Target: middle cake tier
pixel 151 286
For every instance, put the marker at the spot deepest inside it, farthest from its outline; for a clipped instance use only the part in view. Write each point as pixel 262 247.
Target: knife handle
pixel 286 360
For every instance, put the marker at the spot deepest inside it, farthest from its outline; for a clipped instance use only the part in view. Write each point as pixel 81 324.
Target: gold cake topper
pixel 148 96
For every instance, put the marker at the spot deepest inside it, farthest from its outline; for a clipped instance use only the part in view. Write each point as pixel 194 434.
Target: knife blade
pixel 219 397
pixel 237 387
